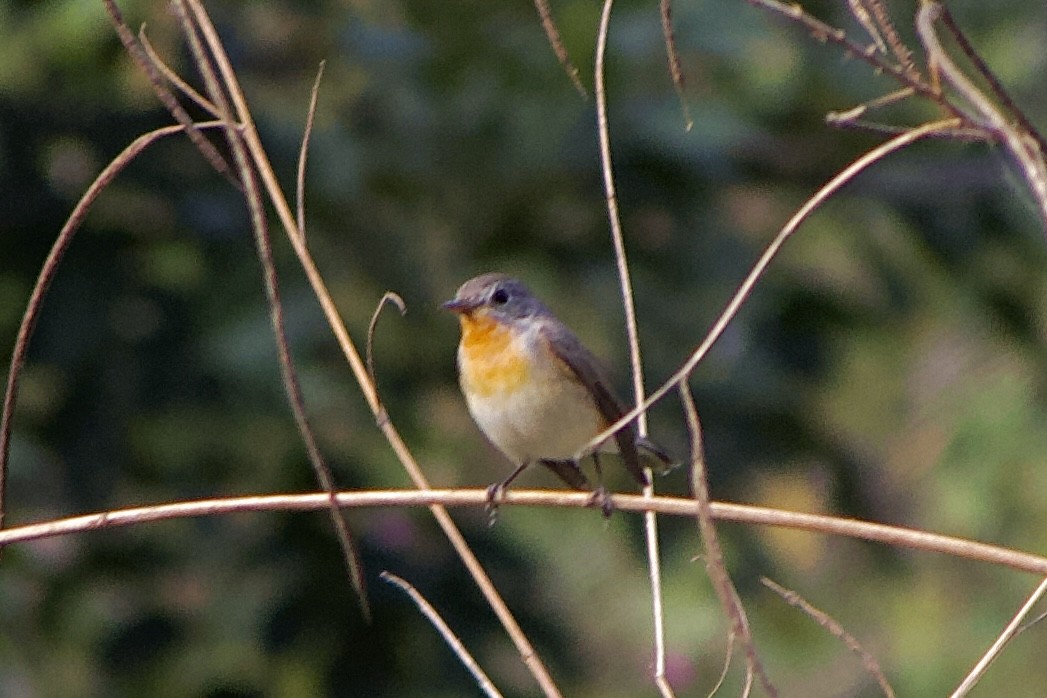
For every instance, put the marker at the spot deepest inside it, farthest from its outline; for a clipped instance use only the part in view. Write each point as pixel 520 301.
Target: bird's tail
pixel 655 457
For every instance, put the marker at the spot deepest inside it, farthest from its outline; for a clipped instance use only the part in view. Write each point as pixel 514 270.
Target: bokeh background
pixel 890 365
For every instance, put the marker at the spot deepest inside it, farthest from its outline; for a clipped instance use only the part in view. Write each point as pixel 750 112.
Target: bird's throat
pixel 491 360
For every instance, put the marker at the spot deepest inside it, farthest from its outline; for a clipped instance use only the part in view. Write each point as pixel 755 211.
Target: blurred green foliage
pixel 890 365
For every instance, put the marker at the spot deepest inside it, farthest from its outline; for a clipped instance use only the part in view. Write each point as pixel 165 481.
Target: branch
pixel 654 567
pixel 670 506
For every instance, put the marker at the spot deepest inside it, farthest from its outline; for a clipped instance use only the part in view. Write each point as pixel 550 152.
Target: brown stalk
pixel 553 35
pixel 173 77
pixel 825 33
pixel 303 152
pixel 1023 146
pixel 995 85
pixel 1014 627
pixel 714 563
pixel 898 47
pixel 869 663
pixel 654 567
pixel 665 9
pixel 127 38
pixel 864 18
pixel 893 536
pixel 395 299
pixel 482 681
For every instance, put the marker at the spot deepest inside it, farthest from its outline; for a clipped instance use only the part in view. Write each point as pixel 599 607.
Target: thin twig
pixel 864 18
pixel 746 287
pixel 127 38
pixel 958 134
pixel 527 653
pixel 303 152
pixel 986 72
pixel 714 563
pixel 387 297
pixel 288 371
pixel 1035 621
pixel 1023 146
pixel 636 360
pixel 894 536
pixel 898 47
pixel 553 34
pixel 46 275
pixel 877 103
pixel 869 663
pixel 606 167
pixel 1012 629
pixel 728 655
pixel 665 8
pixel 482 681
pixel 173 77
pixel 904 74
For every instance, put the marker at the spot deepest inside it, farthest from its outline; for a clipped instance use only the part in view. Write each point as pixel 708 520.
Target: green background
pixel 890 365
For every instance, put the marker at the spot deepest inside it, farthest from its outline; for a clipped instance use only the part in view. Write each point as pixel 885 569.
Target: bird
pixel 536 392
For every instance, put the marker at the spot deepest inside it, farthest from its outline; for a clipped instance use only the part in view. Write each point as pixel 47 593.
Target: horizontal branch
pixel 672 506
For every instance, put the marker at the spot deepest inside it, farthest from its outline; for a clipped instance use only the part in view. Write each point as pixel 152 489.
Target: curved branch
pixel 671 506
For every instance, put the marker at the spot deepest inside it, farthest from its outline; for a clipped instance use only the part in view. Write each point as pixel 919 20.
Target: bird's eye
pixel 500 297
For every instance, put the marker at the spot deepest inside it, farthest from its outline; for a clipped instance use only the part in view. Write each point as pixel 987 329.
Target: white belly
pixel 548 417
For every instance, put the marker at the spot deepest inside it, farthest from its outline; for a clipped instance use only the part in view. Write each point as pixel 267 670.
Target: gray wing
pixel 585 366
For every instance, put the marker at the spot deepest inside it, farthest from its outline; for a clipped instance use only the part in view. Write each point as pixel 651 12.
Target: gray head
pixel 495 294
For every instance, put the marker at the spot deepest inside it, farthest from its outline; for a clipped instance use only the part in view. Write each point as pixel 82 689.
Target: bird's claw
pixel 602 498
pixel 495 496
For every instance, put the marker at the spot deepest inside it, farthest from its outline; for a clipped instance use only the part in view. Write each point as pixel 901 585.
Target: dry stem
pixel 671 506
pixel 654 567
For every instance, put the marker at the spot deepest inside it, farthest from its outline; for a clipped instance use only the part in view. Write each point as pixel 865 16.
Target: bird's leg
pixel 496 492
pixel 569 472
pixel 600 495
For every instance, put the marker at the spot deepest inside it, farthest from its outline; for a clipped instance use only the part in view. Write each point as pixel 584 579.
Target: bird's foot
pixel 495 496
pixel 602 498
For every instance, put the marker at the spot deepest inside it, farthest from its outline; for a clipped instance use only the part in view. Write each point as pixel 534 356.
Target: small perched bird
pixel 535 391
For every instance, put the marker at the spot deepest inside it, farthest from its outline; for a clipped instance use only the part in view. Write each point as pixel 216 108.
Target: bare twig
pixel 864 18
pixel 905 73
pixel 714 564
pixel 482 681
pixel 898 47
pixel 303 152
pixel 1008 634
pixel 746 287
pixel 46 275
pixel 995 85
pixel 878 103
pixel 613 216
pixel 387 297
pixel 957 134
pixel 852 118
pixel 665 9
pixel 127 38
pixel 553 34
pixel 1023 146
pixel 871 666
pixel 894 536
pixel 173 77
pixel 635 357
pixel 728 655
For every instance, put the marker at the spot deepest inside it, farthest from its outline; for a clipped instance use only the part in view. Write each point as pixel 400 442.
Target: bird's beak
pixel 460 305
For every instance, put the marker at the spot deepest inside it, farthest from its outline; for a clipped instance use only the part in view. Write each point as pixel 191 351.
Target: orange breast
pixel 489 360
